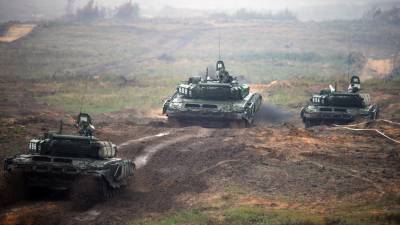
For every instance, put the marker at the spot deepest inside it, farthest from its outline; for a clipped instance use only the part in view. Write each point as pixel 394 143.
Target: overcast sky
pixel 304 9
pixel 252 4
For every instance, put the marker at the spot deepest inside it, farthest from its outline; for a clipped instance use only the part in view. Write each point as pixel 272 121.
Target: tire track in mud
pixel 142 139
pixel 147 153
pixel 160 141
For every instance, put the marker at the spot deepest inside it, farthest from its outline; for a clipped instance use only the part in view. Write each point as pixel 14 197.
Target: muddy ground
pixel 275 164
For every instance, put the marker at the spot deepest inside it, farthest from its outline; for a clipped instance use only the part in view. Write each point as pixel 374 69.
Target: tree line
pixel 91 11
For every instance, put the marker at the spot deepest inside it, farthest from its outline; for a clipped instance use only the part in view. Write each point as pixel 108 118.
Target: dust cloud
pixel 269 114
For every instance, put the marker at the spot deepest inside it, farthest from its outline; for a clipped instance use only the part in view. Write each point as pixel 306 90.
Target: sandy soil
pixel 17 31
pixel 377 68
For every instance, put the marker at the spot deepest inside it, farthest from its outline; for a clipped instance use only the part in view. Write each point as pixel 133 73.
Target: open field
pixel 156 55
pixel 275 172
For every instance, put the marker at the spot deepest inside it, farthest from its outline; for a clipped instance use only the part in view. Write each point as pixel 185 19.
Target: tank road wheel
pixel 88 190
pixel 13 188
pixel 308 123
pixel 174 122
pixel 243 123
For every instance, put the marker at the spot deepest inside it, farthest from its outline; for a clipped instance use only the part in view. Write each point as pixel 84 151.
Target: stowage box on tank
pixel 222 99
pixel 72 162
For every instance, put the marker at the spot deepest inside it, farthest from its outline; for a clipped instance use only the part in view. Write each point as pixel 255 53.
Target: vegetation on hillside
pixel 128 11
pixel 378 14
pixel 246 14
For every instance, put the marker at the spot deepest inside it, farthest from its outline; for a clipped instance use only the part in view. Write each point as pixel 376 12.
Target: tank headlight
pixel 238 109
pixel 312 109
pixel 176 105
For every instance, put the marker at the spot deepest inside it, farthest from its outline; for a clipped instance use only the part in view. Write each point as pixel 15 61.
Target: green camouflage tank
pixel 331 106
pixel 207 100
pixel 81 163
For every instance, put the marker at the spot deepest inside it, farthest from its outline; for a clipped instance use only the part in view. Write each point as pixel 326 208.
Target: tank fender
pixel 119 173
pixel 252 106
pixel 302 112
pixel 166 103
pixel 373 111
pixel 256 100
pixel 124 170
pixel 7 163
pixel 165 106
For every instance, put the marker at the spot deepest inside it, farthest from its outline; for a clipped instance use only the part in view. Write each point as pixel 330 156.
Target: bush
pixel 90 12
pixel 376 14
pixel 128 11
pixel 245 14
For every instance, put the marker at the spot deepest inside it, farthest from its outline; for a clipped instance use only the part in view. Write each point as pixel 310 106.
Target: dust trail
pixel 375 130
pixel 217 165
pixel 272 114
pixel 148 152
pixel 146 138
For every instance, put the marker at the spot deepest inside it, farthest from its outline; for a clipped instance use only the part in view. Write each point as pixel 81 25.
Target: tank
pixel 81 163
pixel 334 107
pixel 208 100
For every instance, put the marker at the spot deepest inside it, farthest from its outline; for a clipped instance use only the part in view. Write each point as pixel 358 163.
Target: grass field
pixel 155 55
pixel 230 210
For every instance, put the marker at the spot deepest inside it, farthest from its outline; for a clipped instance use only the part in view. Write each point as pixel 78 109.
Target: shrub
pixel 128 11
pixel 90 12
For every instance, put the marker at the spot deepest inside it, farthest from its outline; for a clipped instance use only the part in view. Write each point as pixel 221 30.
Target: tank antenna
pixel 219 46
pixel 61 127
pixel 83 96
pixel 348 65
pixel 206 74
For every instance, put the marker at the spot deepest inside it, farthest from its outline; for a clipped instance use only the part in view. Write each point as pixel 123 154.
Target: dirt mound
pixel 377 68
pixel 270 86
pixel 17 31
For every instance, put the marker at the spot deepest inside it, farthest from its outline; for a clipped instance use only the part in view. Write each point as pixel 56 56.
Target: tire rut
pixel 149 151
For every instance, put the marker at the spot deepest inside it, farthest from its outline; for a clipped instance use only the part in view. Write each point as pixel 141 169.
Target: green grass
pixel 389 86
pixel 160 54
pixel 183 217
pixel 255 215
pixel 227 210
pixel 108 94
pixel 258 51
pixel 292 98
pixel 260 216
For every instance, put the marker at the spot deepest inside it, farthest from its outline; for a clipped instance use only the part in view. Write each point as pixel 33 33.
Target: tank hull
pixel 60 172
pixel 184 109
pixel 315 115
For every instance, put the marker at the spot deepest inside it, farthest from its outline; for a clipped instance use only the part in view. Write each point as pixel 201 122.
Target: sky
pixel 250 4
pixel 304 9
